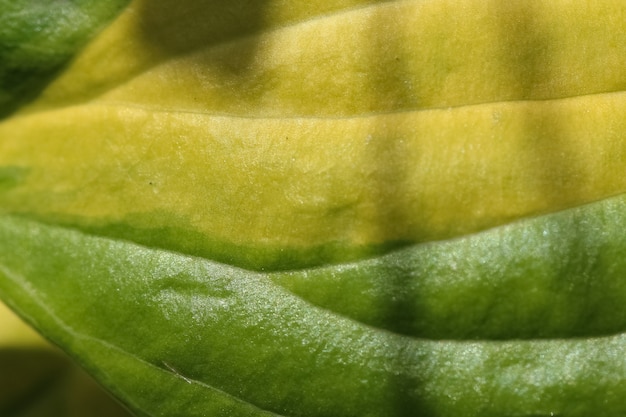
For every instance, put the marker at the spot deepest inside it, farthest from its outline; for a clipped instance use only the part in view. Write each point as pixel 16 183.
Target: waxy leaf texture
pixel 334 208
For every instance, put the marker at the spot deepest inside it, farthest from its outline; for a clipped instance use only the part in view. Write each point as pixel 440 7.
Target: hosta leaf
pixel 268 144
pixel 336 208
pixel 168 332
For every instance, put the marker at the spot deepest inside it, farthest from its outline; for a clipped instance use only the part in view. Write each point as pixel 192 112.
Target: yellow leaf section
pixel 412 176
pixel 360 125
pixel 150 33
pixel 343 58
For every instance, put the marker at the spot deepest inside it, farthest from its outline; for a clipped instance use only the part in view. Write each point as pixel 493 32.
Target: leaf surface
pixel 264 143
pixel 38 38
pixel 338 208
pixel 168 332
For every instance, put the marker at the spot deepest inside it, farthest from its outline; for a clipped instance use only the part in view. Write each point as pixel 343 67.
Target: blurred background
pixel 39 380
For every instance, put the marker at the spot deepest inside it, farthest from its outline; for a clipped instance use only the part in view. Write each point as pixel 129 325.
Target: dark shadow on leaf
pixel 209 23
pixel 527 49
pixel 393 90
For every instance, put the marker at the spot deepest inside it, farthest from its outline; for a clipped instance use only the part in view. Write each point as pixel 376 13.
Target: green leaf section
pixel 37 38
pixel 554 276
pixel 168 332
